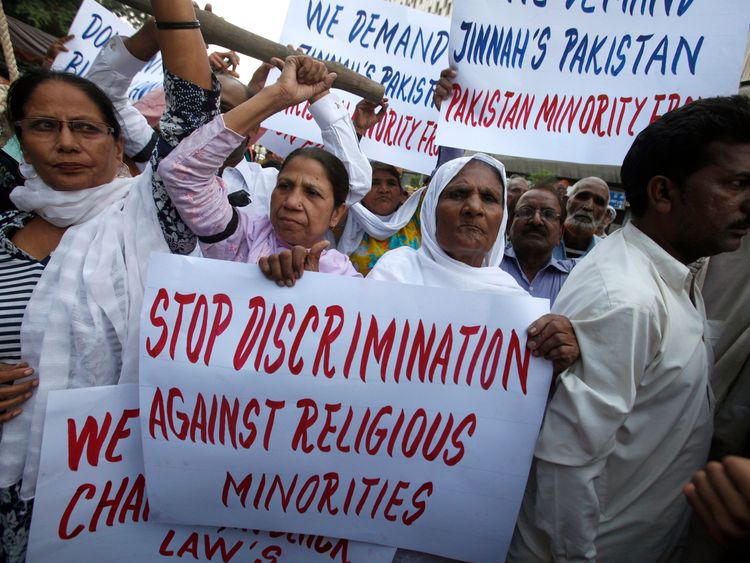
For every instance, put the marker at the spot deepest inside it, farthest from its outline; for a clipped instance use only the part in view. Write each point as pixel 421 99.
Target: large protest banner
pixel 402 48
pixel 91 500
pixel 576 80
pixel 393 414
pixel 92 27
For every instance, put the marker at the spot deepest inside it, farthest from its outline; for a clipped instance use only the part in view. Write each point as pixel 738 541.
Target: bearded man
pixel 586 207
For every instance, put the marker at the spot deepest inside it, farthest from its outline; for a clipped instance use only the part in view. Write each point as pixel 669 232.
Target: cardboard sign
pixel 282 144
pixel 93 26
pixel 576 80
pixel 388 413
pixel 91 500
pixel 402 48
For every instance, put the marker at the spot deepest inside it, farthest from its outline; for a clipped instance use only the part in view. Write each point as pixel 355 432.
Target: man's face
pixel 516 188
pixel 714 210
pixel 586 206
pixel 531 230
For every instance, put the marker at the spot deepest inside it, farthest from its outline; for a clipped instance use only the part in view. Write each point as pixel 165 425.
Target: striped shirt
pixel 19 274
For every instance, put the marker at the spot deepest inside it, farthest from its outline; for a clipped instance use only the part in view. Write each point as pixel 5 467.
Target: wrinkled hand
pixel 720 495
pixel 365 116
pixel 224 62
pixel 553 338
pixel 302 78
pixel 258 79
pixel 444 87
pixel 13 392
pixel 57 47
pixel 286 267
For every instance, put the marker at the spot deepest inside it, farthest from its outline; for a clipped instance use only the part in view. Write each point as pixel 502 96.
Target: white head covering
pixel 361 220
pixel 430 265
pixel 80 327
pixel 65 208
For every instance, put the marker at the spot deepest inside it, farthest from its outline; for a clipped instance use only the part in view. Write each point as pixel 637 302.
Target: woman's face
pixel 469 213
pixel 302 204
pixel 385 195
pixel 66 160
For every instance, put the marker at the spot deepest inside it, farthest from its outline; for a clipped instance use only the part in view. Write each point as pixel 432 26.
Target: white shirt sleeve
pixel 113 71
pixel 340 139
pixel 592 400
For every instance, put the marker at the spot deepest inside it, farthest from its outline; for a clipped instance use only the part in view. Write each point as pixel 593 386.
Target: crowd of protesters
pixel 642 454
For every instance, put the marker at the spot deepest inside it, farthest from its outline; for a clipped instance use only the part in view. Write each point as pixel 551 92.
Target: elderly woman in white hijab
pixel 463 225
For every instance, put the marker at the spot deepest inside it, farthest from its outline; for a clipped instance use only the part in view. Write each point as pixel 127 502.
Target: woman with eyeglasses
pixel 73 256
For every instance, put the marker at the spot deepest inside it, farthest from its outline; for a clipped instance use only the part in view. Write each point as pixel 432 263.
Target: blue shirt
pixel 560 252
pixel 547 282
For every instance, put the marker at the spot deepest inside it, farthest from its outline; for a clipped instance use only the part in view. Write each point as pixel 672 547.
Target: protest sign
pixel 93 26
pixel 402 48
pixel 388 413
pixel 91 500
pixel 576 80
pixel 282 144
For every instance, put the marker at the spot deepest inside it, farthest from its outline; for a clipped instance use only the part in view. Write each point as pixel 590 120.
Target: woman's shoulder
pixel 395 265
pixel 335 262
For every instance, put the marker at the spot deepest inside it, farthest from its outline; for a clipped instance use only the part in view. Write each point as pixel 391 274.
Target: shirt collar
pixel 672 271
pixel 553 262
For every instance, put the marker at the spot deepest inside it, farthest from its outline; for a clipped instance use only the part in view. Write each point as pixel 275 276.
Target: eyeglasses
pixel 526 212
pixel 48 127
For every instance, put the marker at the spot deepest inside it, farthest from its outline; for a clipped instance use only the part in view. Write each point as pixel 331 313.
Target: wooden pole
pixel 218 31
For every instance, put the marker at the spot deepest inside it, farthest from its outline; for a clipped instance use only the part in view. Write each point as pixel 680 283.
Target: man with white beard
pixel 587 204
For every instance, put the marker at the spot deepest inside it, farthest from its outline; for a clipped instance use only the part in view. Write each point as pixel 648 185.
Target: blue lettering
pixel 74 66
pixel 692 55
pixel 96 20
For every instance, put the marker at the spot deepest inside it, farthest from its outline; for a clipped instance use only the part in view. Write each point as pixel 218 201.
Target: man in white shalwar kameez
pixel 631 421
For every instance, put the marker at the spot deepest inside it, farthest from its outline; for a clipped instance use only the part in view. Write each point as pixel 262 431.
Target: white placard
pixel 393 414
pixel 576 80
pixel 93 26
pixel 91 500
pixel 402 48
pixel 282 144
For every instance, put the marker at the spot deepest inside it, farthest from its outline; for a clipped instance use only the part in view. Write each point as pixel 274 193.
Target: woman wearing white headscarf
pixel 463 242
pixel 478 225
pixel 382 221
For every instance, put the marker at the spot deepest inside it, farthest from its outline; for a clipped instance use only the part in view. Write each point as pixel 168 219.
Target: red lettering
pixel 91 437
pixel 155 349
pixel 418 503
pixel 120 433
pixel 88 490
pixel 182 299
pixel 311 316
pixel 220 323
pixel 258 307
pixel 330 334
pixel 306 420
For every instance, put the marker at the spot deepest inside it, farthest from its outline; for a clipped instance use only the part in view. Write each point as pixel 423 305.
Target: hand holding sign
pixel 14 393
pixel 365 116
pixel 553 338
pixel 286 267
pixel 444 87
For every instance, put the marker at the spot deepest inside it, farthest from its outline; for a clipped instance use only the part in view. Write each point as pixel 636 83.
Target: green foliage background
pixel 55 16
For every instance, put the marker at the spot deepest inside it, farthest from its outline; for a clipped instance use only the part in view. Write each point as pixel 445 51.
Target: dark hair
pixel 335 170
pixel 681 143
pixel 389 169
pixel 21 90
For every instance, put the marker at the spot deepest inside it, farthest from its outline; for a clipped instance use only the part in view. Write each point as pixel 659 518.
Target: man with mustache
pixel 586 207
pixel 535 230
pixel 631 421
